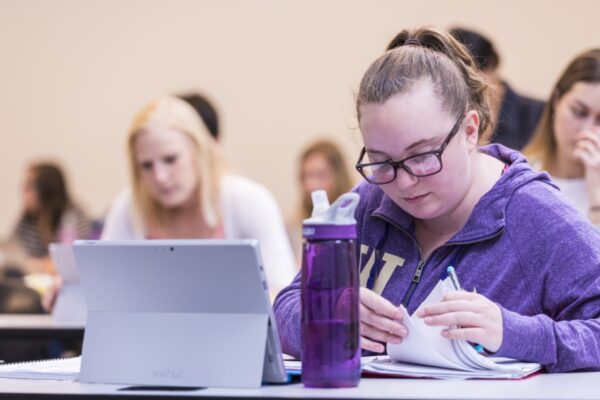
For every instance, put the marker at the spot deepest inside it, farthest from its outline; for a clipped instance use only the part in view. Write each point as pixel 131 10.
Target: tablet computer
pixel 177 313
pixel 70 303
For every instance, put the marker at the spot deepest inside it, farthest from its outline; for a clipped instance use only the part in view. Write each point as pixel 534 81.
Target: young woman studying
pixel 434 196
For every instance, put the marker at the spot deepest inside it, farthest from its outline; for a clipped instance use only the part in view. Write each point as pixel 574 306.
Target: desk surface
pixel 574 386
pixel 37 326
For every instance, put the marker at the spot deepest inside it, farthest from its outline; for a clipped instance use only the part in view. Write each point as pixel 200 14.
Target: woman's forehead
pixel 586 92
pixel 420 102
pixel 403 120
pixel 161 139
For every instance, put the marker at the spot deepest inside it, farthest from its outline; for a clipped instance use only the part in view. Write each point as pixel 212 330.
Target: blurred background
pixel 73 74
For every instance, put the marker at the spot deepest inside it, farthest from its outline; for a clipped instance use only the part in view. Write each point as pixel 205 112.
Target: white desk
pixel 574 386
pixel 37 326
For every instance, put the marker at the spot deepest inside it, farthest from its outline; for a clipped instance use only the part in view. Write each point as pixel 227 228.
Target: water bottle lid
pixel 320 202
pixel 333 222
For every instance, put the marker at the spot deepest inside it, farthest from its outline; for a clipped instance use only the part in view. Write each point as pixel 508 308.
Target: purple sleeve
pixel 559 345
pixel 559 253
pixel 287 308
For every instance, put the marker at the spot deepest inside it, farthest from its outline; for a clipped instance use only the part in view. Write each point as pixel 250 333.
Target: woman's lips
pixel 167 191
pixel 415 199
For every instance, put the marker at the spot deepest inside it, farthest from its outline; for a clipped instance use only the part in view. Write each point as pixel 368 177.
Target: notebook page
pixel 433 334
pixel 497 364
pixel 416 349
pixel 425 344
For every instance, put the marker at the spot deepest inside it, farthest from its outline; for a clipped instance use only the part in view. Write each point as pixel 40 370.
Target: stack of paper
pixel 426 353
pixel 509 369
pixel 62 369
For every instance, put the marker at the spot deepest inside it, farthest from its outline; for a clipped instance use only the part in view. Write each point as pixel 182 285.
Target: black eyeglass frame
pixel 401 163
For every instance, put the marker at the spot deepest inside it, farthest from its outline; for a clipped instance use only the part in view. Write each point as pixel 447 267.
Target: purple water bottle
pixel 330 280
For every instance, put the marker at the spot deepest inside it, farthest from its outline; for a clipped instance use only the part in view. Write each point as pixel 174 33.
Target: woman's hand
pixel 379 322
pixel 51 294
pixel 469 316
pixel 587 150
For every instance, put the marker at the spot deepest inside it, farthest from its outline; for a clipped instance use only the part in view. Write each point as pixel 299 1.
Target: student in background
pixel 321 166
pixel 49 215
pixel 567 140
pixel 434 197
pixel 180 189
pixel 516 115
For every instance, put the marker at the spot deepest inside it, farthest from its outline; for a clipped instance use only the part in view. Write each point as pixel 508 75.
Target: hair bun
pixel 412 42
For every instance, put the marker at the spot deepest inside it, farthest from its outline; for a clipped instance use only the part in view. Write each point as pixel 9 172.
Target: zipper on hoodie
pixel 422 263
pixel 414 282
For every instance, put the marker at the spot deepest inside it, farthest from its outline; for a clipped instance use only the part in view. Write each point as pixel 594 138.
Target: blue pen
pixel 452 274
pixel 453 277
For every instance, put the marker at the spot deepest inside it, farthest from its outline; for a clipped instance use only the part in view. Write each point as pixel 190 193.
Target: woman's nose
pixel 160 173
pixel 592 123
pixel 404 180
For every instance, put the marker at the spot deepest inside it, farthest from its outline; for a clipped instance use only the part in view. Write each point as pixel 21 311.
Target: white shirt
pixel 576 192
pixel 249 211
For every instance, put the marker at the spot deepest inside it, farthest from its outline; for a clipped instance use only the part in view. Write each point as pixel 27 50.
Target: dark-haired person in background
pixel 516 115
pixel 206 111
pixel 49 215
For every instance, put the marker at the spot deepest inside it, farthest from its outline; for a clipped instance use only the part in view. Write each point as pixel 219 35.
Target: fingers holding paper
pixel 469 316
pixel 380 321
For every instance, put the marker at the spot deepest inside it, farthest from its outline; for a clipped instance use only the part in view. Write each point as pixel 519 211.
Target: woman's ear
pixel 472 129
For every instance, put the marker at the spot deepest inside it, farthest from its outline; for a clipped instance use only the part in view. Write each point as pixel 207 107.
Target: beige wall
pixel 73 72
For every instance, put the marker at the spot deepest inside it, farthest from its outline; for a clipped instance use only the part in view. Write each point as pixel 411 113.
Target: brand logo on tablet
pixel 167 374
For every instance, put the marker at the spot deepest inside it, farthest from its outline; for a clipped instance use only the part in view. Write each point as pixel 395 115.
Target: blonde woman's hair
pixel 542 146
pixel 428 53
pixel 176 114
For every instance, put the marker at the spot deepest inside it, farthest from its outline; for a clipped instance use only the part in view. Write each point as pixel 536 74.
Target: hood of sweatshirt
pixel 488 216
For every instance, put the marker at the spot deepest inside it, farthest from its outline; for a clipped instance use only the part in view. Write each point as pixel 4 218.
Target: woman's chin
pixel 171 202
pixel 421 211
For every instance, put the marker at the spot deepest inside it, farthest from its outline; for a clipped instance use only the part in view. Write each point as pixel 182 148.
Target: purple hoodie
pixel 524 247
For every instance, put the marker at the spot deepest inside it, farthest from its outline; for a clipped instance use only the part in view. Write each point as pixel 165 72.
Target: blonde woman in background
pixel 567 140
pixel 321 166
pixel 181 190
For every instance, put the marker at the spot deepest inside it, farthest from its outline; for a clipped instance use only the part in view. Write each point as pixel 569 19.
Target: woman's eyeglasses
pixel 419 165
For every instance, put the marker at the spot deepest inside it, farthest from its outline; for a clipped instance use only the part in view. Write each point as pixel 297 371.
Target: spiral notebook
pixel 425 353
pixel 60 369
